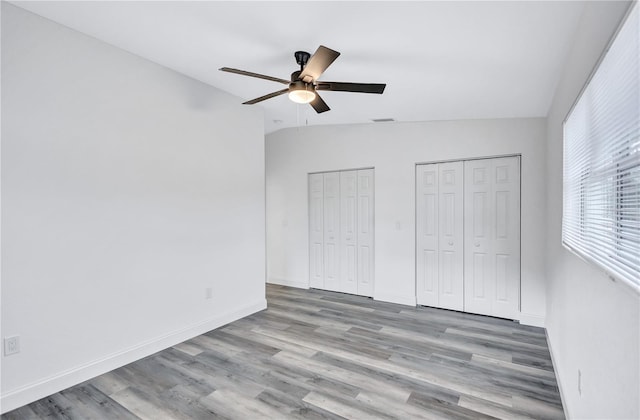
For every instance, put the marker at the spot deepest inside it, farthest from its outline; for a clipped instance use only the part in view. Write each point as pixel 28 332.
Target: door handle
pixel 450 243
pixel 477 245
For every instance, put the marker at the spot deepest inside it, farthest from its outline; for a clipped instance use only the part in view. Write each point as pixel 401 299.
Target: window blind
pixel 601 163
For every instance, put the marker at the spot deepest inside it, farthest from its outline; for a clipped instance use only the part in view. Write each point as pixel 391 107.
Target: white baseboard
pixel 532 320
pixel 290 283
pixel 555 369
pixel 55 383
pixel 392 298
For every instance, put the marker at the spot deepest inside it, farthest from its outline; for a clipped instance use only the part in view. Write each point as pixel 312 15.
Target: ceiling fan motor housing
pixel 300 85
pixel 295 76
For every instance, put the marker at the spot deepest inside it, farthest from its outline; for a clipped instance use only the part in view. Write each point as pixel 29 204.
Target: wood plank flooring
pixel 321 355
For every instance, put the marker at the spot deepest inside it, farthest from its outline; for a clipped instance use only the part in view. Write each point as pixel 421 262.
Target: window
pixel 601 178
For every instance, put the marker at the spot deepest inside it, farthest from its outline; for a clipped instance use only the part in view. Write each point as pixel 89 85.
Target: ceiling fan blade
pixel 265 97
pixel 318 63
pixel 351 87
pixel 258 75
pixel 319 104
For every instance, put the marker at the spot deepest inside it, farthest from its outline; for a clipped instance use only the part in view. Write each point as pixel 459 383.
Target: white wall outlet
pixel 208 293
pixel 11 345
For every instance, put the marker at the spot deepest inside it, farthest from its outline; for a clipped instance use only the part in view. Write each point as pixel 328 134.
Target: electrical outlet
pixel 579 382
pixel 208 293
pixel 11 345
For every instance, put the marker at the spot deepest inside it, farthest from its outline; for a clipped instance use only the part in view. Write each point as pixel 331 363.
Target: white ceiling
pixel 440 60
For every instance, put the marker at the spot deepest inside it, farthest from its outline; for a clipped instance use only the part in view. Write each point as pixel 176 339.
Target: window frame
pixel 619 218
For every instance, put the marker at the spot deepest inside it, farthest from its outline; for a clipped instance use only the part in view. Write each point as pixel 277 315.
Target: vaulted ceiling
pixel 440 60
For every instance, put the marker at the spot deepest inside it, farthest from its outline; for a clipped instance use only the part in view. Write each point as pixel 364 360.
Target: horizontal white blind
pixel 601 179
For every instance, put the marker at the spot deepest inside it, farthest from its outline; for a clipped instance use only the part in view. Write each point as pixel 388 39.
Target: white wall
pixel 394 149
pixel 127 190
pixel 593 324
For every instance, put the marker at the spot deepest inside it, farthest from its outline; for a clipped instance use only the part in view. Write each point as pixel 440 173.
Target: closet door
pixel 316 230
pixel 440 235
pixel 349 232
pixel 341 231
pixel 427 237
pixel 492 238
pixel 332 231
pixel 365 232
pixel 506 190
pixel 478 243
pixel 450 236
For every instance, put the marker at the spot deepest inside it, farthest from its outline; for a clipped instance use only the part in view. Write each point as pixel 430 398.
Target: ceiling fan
pixel 304 83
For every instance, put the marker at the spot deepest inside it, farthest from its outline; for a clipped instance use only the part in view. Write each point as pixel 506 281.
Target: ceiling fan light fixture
pixel 301 93
pixel 302 96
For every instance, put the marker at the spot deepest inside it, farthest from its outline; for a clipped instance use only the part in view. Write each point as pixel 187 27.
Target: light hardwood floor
pixel 316 354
